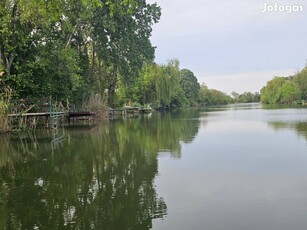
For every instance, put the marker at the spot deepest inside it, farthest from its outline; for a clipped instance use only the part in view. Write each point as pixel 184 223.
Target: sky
pixel 235 45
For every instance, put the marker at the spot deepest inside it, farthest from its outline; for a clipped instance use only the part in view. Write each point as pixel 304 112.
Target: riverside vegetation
pixel 286 90
pixel 75 50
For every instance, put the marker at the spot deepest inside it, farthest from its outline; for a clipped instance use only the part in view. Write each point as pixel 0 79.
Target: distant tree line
pixel 246 97
pixel 163 86
pixel 211 97
pixel 168 86
pixel 285 90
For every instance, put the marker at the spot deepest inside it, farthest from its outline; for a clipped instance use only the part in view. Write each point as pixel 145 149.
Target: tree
pixel 271 94
pixel 70 49
pixel 167 81
pixel 281 90
pixel 248 97
pixel 235 96
pixel 289 92
pixel 122 34
pixel 36 39
pixel 188 82
pixel 205 96
pixel 212 96
pixel 301 79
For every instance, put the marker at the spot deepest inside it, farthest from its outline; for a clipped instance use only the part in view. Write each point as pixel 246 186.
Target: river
pixel 234 167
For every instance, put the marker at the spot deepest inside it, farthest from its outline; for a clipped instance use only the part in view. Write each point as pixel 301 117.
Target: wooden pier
pixel 32 120
pixel 79 115
pixel 54 118
pixel 33 112
pixel 29 113
pixel 127 111
pixel 45 114
pixel 145 110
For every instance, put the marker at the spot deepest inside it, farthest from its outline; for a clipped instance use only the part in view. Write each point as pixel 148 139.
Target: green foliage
pixel 189 85
pixel 179 98
pixel 142 90
pixel 301 79
pixel 247 97
pixel 270 94
pixel 158 85
pixel 210 97
pixel 281 90
pixel 289 92
pixel 166 86
pixel 63 73
pixel 121 33
pixel 59 47
pixel 76 48
pixel 167 80
pixel 235 96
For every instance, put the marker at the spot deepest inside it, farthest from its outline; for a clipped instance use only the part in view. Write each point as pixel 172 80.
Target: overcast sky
pixel 232 45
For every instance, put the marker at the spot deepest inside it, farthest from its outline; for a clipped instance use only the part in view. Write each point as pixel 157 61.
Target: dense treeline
pixel 168 86
pixel 212 96
pixel 246 97
pixel 163 86
pixel 71 49
pixel 285 90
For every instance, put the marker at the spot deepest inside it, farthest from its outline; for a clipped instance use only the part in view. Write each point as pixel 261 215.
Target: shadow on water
pixel 99 177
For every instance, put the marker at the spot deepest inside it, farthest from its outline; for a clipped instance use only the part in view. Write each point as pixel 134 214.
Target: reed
pixel 98 103
pixel 5 124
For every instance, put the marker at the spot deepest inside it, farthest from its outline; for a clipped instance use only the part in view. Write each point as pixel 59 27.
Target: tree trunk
pixel 7 61
pixel 112 87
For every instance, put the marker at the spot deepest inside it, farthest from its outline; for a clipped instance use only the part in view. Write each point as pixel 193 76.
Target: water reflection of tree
pixel 101 179
pixel 188 124
pixel 299 127
pixel 22 147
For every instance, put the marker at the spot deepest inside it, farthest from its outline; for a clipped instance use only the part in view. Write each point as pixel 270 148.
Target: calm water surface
pixel 235 167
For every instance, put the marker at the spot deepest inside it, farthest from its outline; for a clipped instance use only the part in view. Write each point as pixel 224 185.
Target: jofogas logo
pixel 284 8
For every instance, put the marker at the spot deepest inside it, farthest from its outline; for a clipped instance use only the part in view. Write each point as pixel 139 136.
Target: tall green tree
pixel 123 40
pixel 190 85
pixel 167 81
pixel 289 92
pixel 271 94
pixel 235 96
